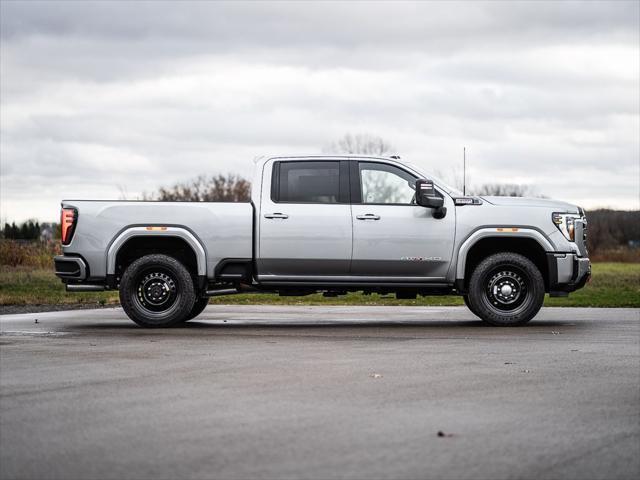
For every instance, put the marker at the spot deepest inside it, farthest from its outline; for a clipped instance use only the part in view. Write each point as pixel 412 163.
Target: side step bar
pixel 225 291
pixel 84 288
pixel 100 288
pixel 242 288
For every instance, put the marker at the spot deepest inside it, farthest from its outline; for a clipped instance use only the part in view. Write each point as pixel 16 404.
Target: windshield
pixel 454 192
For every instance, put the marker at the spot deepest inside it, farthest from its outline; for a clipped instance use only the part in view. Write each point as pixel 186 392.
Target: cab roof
pixel 311 157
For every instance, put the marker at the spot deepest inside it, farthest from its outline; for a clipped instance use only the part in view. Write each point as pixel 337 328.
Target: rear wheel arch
pixel 136 242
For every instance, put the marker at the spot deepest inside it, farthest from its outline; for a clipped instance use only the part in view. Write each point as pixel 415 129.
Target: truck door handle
pixel 283 216
pixel 368 216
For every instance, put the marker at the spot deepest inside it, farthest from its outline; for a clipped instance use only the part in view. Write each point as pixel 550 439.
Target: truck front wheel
pixel 467 302
pixel 506 289
pixel 157 291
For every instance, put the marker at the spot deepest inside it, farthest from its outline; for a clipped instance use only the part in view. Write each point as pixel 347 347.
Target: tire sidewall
pixel 467 302
pixel 185 295
pixel 198 308
pixel 535 291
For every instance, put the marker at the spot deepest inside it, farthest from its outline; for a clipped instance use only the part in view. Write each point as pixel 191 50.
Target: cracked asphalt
pixel 321 392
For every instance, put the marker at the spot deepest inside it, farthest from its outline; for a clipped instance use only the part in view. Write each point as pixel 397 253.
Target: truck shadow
pixel 248 324
pixel 390 324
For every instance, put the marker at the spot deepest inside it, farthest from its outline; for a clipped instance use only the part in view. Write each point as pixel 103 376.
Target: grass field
pixel 612 285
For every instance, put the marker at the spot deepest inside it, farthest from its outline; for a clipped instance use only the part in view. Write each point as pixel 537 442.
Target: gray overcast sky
pixel 99 97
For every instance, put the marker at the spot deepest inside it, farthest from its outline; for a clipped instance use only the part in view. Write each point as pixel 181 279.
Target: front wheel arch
pixel 529 248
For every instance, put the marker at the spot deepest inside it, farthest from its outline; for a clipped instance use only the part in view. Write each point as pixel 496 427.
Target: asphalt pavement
pixel 321 392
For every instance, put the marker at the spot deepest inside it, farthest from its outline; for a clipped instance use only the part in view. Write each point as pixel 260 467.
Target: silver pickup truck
pixel 331 224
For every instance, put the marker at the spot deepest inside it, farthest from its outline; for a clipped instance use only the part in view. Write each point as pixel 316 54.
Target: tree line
pixel 28 230
pixel 611 229
pixel 217 188
pixel 607 229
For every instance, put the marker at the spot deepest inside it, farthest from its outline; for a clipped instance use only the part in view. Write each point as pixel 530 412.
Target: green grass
pixel 28 286
pixel 612 285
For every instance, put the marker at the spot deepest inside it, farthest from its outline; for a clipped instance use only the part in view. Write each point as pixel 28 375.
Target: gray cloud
pixel 97 95
pixel 277 23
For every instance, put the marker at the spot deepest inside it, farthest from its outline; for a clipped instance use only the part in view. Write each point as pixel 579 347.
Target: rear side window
pixel 306 182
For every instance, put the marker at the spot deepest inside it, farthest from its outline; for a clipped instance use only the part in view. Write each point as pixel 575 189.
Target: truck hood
pixel 531 202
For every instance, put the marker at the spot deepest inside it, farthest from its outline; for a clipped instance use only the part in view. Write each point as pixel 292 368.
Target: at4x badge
pixel 421 259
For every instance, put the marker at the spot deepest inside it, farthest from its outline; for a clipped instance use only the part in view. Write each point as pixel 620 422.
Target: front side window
pixel 308 182
pixel 382 183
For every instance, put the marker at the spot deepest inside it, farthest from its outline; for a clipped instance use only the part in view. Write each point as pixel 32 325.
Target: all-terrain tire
pixel 469 306
pixel 506 289
pixel 198 308
pixel 157 291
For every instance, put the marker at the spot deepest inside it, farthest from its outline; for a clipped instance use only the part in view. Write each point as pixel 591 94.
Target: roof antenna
pixel 464 170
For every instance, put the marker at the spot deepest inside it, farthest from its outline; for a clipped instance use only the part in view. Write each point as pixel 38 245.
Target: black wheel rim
pixel 156 291
pixel 507 289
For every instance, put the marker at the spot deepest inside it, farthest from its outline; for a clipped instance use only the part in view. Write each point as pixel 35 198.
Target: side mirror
pixel 426 196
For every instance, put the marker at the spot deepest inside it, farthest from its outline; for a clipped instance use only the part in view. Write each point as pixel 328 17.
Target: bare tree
pixel 220 188
pixel 124 193
pixel 361 143
pixel 505 190
pixel 452 176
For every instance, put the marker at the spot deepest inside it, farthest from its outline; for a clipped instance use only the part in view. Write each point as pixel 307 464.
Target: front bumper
pixel 567 273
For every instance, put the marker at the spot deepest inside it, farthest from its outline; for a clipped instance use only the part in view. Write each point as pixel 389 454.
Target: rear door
pixel 304 220
pixel 394 238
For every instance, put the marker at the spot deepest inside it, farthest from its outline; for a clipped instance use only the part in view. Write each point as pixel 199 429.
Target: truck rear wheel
pixel 506 289
pixel 157 291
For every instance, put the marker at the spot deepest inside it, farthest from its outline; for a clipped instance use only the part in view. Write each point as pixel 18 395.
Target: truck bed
pixel 223 229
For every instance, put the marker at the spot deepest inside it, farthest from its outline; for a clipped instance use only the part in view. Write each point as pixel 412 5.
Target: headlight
pixel 566 223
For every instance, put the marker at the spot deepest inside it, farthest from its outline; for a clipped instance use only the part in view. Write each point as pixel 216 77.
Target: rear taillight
pixel 68 220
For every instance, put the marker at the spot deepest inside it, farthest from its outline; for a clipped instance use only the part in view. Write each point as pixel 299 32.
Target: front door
pixel 304 221
pixel 392 236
